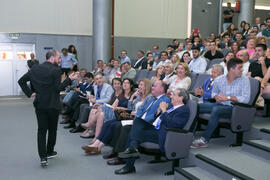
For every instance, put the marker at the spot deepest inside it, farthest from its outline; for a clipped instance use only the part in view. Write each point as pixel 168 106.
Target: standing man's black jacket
pixel 46 80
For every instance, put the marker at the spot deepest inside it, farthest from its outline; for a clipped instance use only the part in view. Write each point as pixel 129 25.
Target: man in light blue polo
pixel 68 60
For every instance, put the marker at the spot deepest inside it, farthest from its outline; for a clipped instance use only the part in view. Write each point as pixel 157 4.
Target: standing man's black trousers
pixel 47 121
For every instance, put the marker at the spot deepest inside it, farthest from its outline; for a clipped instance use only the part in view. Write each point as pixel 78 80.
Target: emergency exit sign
pixel 14 35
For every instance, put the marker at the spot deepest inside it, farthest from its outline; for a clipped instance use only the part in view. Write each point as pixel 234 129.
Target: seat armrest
pixel 177 130
pixel 241 104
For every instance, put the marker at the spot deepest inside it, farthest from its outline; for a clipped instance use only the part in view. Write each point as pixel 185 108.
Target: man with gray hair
pixel 205 91
pixel 170 117
pixel 244 56
pixel 169 73
pixel 46 80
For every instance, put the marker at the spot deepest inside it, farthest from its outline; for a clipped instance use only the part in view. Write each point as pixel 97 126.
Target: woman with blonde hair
pixel 159 74
pixel 107 131
pixel 181 80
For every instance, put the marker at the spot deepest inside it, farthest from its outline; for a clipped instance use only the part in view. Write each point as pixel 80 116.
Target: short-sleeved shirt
pixel 256 69
pixel 228 12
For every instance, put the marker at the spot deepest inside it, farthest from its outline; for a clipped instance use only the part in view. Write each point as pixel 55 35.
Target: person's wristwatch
pixel 229 98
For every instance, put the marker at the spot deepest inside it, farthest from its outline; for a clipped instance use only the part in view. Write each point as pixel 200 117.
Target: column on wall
pixel 246 11
pixel 102 30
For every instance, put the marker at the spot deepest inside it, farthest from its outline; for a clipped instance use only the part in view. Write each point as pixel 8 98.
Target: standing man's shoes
pixel 43 162
pixel 51 155
pixel 125 170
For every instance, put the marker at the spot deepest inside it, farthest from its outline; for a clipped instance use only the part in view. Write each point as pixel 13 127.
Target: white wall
pixel 151 18
pixel 47 16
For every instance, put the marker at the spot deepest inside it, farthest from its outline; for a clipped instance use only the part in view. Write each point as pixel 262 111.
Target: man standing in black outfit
pixel 46 80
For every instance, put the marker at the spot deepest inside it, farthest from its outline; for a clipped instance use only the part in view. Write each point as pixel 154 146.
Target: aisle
pixel 19 158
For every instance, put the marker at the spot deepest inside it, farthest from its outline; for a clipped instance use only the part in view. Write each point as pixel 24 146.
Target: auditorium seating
pixel 242 115
pixel 177 143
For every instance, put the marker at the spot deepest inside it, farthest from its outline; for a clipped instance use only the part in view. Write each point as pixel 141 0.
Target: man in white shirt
pixel 164 58
pixel 197 64
pixel 124 57
pixel 169 73
pixel 244 56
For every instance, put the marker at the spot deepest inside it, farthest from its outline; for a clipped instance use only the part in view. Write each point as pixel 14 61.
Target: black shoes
pixel 65 121
pixel 76 129
pixel 129 153
pixel 125 170
pixel 43 162
pixel 115 161
pixel 51 155
pixel 111 155
pixel 70 125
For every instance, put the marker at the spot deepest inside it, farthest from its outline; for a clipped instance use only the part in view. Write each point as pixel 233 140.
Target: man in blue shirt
pixel 124 57
pixel 197 64
pixel 226 88
pixel 143 124
pixel 206 90
pixel 68 61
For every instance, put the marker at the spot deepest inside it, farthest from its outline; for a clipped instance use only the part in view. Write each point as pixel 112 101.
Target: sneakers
pixel 43 162
pixel 197 143
pixel 51 155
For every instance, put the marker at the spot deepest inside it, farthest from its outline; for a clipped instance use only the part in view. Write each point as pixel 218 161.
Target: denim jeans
pixel 225 26
pixel 217 111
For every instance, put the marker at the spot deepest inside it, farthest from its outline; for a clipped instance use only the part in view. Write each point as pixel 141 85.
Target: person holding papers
pixel 105 112
pixel 149 128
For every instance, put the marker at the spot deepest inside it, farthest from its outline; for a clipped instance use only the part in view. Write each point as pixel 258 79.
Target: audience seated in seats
pixel 181 79
pixel 77 97
pixel 206 90
pixel 175 60
pixel 100 114
pixel 124 57
pixel 159 75
pixel 197 64
pixel 150 61
pixel 128 72
pixel 244 56
pixel 227 57
pixel 175 116
pixel 213 53
pixel 226 89
pixel 141 63
pixel 85 108
pixel 186 58
pixel 169 73
pixel 163 58
pixel 102 94
pixel 108 128
pixel 258 68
